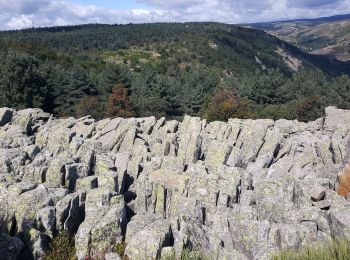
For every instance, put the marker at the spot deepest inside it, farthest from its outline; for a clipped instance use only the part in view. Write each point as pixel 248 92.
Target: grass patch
pixel 62 248
pixel 120 248
pixel 188 254
pixel 334 250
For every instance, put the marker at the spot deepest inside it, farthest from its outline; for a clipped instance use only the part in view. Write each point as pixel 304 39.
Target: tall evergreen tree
pixel 21 82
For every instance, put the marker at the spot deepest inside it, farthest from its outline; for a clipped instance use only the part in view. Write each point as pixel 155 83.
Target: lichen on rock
pixel 237 190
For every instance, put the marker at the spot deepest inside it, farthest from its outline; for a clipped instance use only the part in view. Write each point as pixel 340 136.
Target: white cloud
pixel 17 14
pixel 20 21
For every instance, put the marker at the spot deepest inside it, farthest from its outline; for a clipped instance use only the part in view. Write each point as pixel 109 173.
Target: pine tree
pixel 22 84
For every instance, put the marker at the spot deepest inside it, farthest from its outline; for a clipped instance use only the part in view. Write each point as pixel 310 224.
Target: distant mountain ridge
pixel 329 36
pixel 310 21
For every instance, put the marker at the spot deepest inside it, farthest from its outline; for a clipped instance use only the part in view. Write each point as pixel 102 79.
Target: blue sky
pixel 17 14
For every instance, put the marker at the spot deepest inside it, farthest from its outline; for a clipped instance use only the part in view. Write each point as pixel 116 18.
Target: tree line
pixel 207 70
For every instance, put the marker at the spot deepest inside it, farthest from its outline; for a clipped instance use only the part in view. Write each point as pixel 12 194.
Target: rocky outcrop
pixel 236 190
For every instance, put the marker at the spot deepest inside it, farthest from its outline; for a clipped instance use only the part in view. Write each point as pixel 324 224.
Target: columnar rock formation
pixel 235 190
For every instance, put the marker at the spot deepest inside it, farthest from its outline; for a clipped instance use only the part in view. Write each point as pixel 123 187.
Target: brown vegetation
pixel 308 108
pixel 88 105
pixel 344 181
pixel 119 104
pixel 61 248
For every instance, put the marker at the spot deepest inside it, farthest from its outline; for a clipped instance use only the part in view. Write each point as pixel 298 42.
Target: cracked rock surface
pixel 236 190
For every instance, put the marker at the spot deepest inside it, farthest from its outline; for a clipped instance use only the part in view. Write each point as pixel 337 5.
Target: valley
pixel 328 36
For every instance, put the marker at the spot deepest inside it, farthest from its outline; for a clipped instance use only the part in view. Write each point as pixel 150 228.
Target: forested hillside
pixel 213 70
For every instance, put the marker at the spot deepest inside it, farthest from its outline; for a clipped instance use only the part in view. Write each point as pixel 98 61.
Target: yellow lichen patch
pixel 169 180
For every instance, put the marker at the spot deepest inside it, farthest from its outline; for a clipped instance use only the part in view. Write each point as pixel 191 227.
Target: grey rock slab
pixel 340 222
pixel 46 220
pixel 104 163
pixel 56 175
pixel 73 172
pixel 28 203
pixel 69 213
pixel 249 142
pixel 109 230
pixel 112 256
pixel 21 187
pixel 318 193
pixel 139 222
pixel 324 204
pixel 87 183
pixel 217 153
pixel 109 126
pixel 149 241
pixel 105 218
pixel 109 180
pixel 84 129
pixel 336 117
pixel 32 151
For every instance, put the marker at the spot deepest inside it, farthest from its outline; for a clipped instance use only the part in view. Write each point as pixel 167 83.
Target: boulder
pixel 335 118
pixel 147 243
pixel 318 193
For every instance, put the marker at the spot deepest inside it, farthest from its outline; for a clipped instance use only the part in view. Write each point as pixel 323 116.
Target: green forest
pixel 212 70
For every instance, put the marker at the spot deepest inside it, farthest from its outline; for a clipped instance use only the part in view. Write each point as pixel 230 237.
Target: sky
pixel 18 14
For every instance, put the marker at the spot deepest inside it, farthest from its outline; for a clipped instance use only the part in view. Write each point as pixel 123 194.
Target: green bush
pixel 334 250
pixel 62 248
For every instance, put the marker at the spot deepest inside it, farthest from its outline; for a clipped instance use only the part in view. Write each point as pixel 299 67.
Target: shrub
pixel 344 181
pixel 309 109
pixel 120 248
pixel 226 104
pixel 88 105
pixel 62 248
pixel 333 250
pixel 99 255
pixel 188 254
